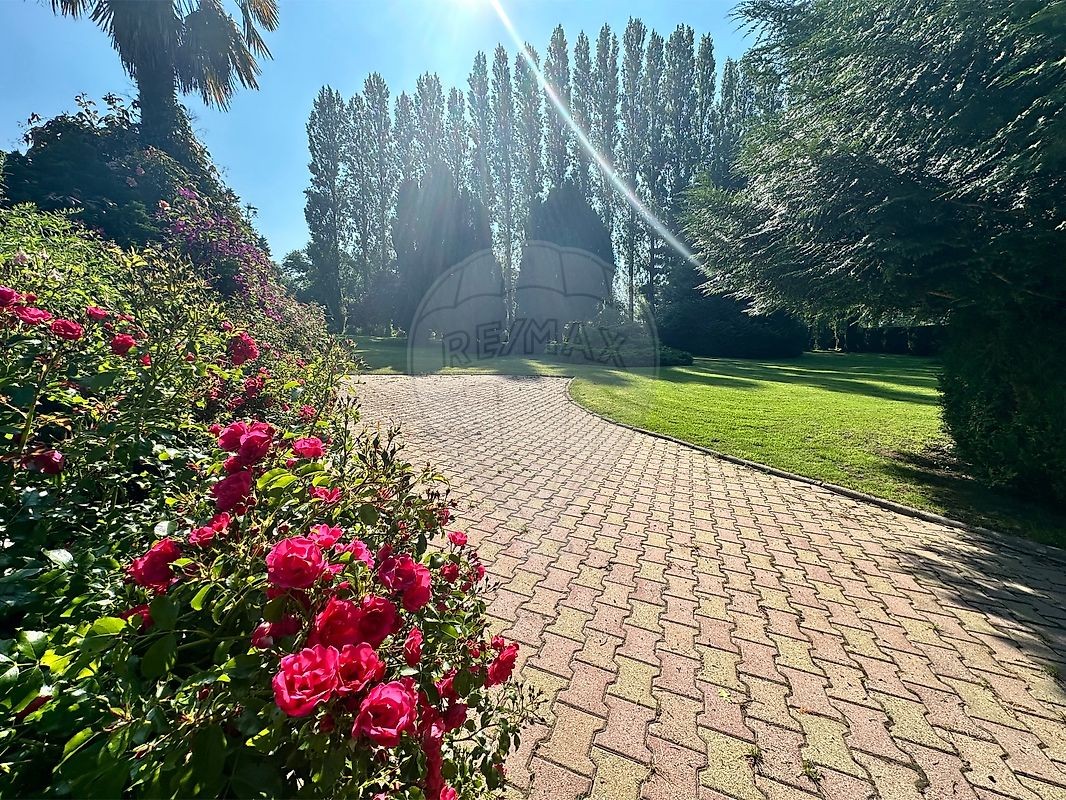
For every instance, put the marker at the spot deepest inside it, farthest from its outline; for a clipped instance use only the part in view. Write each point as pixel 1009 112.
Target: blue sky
pixel 260 144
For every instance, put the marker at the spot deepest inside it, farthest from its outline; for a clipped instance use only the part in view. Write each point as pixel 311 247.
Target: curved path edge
pixel 1016 543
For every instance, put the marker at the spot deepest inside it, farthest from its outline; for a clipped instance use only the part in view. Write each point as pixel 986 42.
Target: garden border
pixel 1016 543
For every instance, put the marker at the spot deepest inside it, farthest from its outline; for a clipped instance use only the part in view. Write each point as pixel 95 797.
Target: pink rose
pixel 153 570
pixel 294 563
pixel 32 316
pixel 344 622
pixel 306 679
pixel 8 297
pixel 325 535
pixel 97 314
pixel 359 666
pixel 450 572
pixel 457 538
pixel 327 496
pixel 411 579
pixel 203 536
pixel 359 551
pixel 387 712
pixel 311 447
pixel 307 413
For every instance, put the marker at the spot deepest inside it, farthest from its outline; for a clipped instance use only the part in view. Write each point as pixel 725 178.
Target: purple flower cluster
pixel 222 244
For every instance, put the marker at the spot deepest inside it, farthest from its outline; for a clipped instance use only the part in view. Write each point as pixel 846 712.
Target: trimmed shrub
pixel 1004 387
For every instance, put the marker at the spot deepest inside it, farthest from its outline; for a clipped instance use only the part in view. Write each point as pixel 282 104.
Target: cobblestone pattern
pixel 705 630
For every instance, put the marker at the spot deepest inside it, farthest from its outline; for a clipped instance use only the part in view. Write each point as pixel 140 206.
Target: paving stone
pixel 710 626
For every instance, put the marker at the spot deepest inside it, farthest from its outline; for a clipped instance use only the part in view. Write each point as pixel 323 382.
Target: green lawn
pixel 864 421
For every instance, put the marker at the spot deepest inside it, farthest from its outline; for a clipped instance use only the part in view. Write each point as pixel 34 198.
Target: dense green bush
pixel 209 586
pixel 717 326
pixel 95 164
pixel 1004 389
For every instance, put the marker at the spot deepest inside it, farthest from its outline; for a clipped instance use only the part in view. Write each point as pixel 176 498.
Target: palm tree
pixel 169 46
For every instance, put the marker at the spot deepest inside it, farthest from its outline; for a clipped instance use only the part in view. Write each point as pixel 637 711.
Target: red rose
pixel 295 563
pixel 307 412
pixel 230 437
pixel 311 447
pixel 358 667
pixel 97 314
pixel 152 570
pixel 242 348
pixel 67 329
pixel 139 611
pixel 232 490
pixel 255 444
pixel 502 666
pixel 359 551
pixel 407 576
pixel 50 462
pixel 325 535
pixel 8 297
pixel 343 622
pixel 203 536
pixel 450 572
pixel 412 647
pixel 306 680
pixel 146 360
pixel 32 316
pixel 455 716
pixel 122 344
pixel 457 538
pixel 448 793
pixel 387 712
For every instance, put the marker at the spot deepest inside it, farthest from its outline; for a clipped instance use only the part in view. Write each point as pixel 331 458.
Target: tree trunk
pixel 163 121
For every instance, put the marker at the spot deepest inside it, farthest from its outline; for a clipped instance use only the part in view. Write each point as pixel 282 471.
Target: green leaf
pixel 101 632
pixel 33 643
pixel 368 514
pixel 165 528
pixel 270 475
pixel 164 612
pixel 197 602
pixel 160 658
pixel 208 754
pixel 62 558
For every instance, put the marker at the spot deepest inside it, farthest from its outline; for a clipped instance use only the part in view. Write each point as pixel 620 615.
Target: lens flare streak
pixel 582 138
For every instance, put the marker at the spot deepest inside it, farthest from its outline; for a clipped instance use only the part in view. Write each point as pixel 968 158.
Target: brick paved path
pixel 705 630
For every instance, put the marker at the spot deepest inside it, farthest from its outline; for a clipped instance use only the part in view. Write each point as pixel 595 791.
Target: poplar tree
pixel 556 133
pixel 429 120
pixel 634 140
pixel 703 113
pixel 404 127
pixel 581 99
pixel 604 120
pixel 328 205
pixel 503 163
pixel 457 138
pixel 384 174
pixel 481 131
pixel 654 164
pixel 529 131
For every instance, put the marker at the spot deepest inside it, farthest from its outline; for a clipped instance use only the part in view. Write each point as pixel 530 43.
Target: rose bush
pixel 209 585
